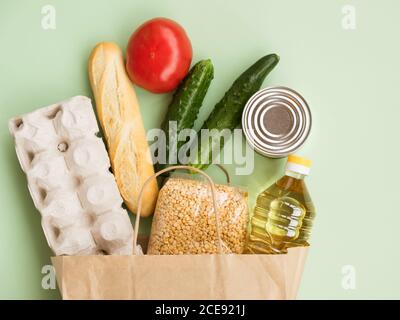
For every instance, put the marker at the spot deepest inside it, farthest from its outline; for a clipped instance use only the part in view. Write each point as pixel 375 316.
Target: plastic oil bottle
pixel 284 213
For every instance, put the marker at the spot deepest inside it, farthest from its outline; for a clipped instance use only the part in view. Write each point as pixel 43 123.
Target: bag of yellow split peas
pixel 186 222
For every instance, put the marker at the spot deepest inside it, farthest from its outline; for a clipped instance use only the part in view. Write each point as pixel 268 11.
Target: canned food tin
pixel 276 121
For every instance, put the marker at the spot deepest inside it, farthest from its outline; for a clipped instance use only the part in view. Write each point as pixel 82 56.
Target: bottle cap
pixel 298 164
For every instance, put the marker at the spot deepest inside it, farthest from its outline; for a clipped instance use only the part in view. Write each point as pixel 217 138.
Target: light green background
pixel 349 77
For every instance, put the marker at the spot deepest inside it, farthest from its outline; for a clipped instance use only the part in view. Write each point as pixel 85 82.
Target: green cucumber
pixel 186 102
pixel 228 111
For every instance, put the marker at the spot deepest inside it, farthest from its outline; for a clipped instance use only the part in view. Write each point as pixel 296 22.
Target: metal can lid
pixel 276 121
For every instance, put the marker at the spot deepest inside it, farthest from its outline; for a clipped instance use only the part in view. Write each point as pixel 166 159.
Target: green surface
pixel 349 77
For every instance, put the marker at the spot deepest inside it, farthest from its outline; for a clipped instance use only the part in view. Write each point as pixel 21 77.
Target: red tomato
pixel 158 56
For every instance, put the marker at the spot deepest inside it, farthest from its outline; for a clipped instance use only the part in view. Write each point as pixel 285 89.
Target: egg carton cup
pixel 69 179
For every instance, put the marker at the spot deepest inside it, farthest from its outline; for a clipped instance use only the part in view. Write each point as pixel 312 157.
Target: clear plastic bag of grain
pixel 184 219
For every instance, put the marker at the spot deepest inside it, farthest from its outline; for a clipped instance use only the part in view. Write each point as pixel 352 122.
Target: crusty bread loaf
pixel 119 115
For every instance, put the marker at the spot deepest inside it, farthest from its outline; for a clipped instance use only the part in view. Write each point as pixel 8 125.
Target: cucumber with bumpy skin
pixel 228 111
pixel 186 103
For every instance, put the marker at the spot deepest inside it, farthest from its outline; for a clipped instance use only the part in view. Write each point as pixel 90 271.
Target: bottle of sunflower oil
pixel 284 213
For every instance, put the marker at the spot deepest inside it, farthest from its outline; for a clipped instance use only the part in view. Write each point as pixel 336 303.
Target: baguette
pixel 119 115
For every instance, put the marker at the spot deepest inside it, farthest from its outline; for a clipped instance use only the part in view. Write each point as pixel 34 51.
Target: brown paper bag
pixel 166 277
pixel 181 277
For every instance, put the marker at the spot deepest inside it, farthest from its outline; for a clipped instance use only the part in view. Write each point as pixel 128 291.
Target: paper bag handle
pixel 213 193
pixel 228 177
pixel 226 173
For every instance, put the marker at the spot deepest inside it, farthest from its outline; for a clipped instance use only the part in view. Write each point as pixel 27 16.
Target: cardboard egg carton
pixel 69 179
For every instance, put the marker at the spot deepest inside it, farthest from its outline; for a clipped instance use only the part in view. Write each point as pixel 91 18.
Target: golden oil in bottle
pixel 284 213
